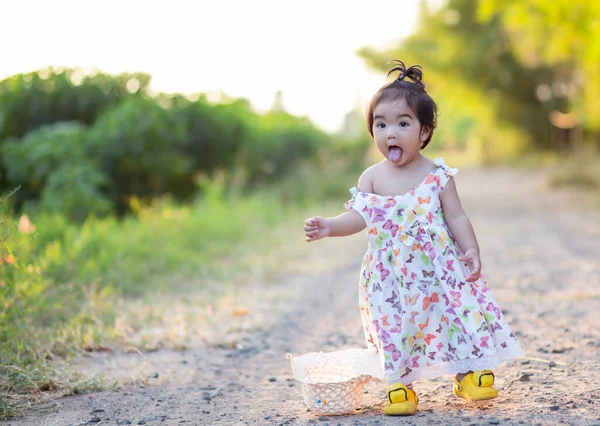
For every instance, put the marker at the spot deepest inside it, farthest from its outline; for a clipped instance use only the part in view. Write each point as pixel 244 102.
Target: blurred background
pixel 104 104
pixel 138 140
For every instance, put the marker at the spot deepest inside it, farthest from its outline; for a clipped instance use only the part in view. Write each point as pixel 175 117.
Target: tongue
pixel 395 153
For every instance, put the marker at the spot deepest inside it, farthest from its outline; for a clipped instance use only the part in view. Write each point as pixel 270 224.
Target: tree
pixel 563 34
pixel 471 59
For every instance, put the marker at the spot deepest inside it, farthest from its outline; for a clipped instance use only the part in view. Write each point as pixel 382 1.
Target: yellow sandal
pixel 401 401
pixel 476 386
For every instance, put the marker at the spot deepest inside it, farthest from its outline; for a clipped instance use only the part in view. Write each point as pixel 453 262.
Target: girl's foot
pixel 475 386
pixel 402 401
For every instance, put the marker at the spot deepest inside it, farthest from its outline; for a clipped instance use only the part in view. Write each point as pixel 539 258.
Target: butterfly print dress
pixel 417 310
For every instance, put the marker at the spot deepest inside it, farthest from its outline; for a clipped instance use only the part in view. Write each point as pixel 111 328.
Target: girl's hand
pixel 471 257
pixel 316 228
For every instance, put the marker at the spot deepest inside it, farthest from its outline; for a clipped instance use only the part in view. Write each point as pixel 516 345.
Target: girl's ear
pixel 425 132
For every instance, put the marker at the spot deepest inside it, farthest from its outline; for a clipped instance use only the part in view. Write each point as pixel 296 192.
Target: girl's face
pixel 397 132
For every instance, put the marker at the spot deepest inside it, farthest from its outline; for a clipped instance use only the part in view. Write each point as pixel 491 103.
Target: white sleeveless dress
pixel 418 312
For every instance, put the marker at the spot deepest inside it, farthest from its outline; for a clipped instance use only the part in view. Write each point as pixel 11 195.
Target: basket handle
pixel 366 378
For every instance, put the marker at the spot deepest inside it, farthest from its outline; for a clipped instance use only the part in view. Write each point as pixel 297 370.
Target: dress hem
pixel 458 366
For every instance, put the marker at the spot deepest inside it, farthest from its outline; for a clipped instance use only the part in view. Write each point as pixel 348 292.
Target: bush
pixel 284 142
pixel 30 101
pixel 139 144
pixel 54 169
pixel 88 144
pixel 216 133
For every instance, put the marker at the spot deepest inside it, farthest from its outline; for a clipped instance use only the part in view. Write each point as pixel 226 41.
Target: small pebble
pixel 525 377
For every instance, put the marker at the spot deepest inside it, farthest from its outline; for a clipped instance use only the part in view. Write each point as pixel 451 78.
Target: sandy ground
pixel 541 257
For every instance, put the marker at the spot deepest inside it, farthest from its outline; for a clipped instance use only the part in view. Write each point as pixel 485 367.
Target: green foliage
pixel 59 287
pixel 114 144
pixel 139 145
pixel 62 287
pixel 257 149
pixel 32 100
pixel 487 96
pixel 32 159
pixel 286 142
pixel 75 190
pixel 53 166
pixel 215 133
pixel 563 34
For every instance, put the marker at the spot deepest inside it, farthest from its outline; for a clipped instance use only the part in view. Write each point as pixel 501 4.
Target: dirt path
pixel 541 256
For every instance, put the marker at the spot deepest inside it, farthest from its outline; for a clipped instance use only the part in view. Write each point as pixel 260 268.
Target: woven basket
pixel 332 383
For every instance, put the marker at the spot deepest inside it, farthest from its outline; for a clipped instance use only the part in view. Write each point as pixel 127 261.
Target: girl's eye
pixel 380 125
pixel 404 124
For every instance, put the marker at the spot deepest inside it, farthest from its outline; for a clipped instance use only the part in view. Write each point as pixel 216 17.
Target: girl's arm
pixel 461 229
pixel 340 226
pixel 347 223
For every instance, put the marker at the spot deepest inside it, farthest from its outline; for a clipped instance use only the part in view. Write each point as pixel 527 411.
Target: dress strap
pixel 350 203
pixel 359 203
pixel 448 172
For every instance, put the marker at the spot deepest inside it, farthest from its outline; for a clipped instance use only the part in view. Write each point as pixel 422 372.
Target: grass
pixel 34 385
pixel 141 283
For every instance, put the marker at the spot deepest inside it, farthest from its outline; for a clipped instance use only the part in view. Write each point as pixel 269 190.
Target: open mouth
pixel 395 153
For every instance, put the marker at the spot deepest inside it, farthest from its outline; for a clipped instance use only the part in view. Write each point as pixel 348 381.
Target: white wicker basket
pixel 332 383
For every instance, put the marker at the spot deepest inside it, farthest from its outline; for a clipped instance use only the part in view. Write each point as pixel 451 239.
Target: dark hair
pixel 413 92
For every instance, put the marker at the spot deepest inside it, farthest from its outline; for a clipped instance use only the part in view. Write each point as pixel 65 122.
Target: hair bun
pixel 414 72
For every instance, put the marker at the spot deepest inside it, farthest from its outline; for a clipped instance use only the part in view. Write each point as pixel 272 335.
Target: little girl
pixel 425 308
